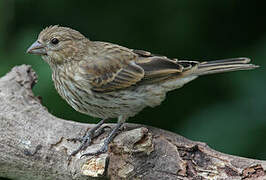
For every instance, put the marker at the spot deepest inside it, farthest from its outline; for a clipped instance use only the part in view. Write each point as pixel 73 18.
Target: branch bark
pixel 34 145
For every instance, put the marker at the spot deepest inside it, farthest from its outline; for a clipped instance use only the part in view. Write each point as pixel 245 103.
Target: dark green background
pixel 227 111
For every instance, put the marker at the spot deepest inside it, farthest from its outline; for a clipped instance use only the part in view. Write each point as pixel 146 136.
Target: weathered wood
pixel 34 145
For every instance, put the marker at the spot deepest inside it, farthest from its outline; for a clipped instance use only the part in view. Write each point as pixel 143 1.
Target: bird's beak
pixel 37 48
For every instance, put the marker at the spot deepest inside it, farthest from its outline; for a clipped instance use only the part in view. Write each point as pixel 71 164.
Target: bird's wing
pixel 160 68
pixel 112 67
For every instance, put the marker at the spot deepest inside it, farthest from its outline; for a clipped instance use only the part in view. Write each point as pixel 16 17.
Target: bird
pixel 106 80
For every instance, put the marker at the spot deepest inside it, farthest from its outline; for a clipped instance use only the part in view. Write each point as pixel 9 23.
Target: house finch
pixel 106 80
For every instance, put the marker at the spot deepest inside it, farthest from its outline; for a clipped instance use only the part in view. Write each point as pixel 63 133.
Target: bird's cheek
pixel 55 57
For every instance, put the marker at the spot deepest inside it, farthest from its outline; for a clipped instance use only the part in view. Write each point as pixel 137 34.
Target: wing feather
pixel 112 67
pixel 159 68
pixel 123 78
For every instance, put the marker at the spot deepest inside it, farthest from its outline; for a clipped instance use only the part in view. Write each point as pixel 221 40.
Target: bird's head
pixel 58 44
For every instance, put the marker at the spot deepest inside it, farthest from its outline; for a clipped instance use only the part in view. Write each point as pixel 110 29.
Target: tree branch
pixel 34 145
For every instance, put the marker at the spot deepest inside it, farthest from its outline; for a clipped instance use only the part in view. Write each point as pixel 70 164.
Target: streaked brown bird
pixel 106 80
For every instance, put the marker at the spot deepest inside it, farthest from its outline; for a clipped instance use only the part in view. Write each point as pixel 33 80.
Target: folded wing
pixel 118 67
pixel 160 68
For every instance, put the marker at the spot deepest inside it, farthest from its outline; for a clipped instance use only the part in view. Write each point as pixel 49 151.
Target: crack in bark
pixel 28 153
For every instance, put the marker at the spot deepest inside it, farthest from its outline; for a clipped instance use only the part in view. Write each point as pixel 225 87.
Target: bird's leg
pixel 87 138
pixel 110 137
pixel 100 131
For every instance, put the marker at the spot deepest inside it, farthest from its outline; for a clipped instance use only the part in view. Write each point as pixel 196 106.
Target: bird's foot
pixel 102 150
pixel 107 141
pixel 88 137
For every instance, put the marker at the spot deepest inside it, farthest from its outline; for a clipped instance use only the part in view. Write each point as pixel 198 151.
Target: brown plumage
pixel 106 80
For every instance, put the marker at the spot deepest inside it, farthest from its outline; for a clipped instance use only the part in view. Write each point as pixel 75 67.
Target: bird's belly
pixel 114 104
pixel 103 105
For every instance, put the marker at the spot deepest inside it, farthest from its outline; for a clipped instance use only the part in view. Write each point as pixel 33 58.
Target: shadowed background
pixel 227 111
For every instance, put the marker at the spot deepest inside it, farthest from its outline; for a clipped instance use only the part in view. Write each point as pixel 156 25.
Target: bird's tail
pixel 224 65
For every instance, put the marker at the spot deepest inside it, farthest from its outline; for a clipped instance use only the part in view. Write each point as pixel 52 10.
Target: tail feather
pixel 224 65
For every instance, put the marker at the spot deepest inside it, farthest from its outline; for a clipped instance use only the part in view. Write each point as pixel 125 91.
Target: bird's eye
pixel 54 41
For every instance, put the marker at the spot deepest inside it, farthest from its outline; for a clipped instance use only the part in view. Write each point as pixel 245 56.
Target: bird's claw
pixel 85 142
pixel 101 131
pixel 75 139
pixel 102 150
pixel 87 139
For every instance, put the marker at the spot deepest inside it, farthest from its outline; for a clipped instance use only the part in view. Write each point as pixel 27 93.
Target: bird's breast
pixel 96 104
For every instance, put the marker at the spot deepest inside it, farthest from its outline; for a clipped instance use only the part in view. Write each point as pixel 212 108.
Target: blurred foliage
pixel 227 111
